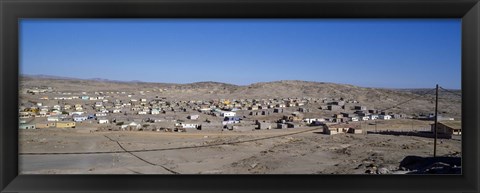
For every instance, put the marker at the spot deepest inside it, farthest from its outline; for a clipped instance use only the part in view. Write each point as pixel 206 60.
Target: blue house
pixel 231 120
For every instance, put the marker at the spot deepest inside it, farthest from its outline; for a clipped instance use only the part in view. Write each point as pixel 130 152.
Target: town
pixel 145 111
pixel 209 127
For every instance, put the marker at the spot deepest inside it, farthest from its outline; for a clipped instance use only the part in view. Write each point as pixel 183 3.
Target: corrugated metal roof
pixel 452 124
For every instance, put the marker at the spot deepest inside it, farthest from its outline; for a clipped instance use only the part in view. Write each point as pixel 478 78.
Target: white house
pixel 365 118
pixel 131 125
pixel 189 125
pixel 385 117
pixel 193 117
pixel 103 121
pixel 373 117
pixel 227 114
pixel 104 111
pixel 354 118
pixel 76 113
pixel 155 112
pixel 100 114
pixel 24 115
pixel 42 113
pixel 58 107
pixel 79 118
pixel 98 104
pixel 53 118
pixel 311 120
pixel 26 126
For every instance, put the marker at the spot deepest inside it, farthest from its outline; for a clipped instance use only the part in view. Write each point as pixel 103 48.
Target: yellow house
pixel 65 124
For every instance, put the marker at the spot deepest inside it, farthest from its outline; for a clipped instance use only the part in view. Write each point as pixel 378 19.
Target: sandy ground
pixel 286 151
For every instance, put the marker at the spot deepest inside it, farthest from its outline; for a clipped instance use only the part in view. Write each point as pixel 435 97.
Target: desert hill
pixel 379 98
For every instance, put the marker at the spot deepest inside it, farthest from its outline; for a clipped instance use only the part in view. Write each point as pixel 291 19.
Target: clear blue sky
pixel 390 53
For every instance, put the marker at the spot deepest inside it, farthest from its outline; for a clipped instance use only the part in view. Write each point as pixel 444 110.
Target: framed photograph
pixel 239 96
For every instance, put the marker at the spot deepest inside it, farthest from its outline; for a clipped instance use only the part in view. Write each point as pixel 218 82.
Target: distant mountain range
pixel 204 83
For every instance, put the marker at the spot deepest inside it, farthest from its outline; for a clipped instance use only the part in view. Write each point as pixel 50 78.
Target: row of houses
pixel 160 105
pixel 43 125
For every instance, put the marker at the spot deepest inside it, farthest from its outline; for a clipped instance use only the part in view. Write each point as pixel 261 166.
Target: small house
pixel 265 112
pixel 355 130
pixel 334 107
pixel 100 114
pixel 291 125
pixel 278 110
pixel 65 124
pixel 263 125
pixel 282 126
pixel 227 114
pixel 342 128
pixel 155 111
pixel 53 118
pixel 193 117
pixel 304 110
pixel 385 117
pixel 103 121
pixel 188 125
pixel 79 118
pixel 362 108
pixel 44 125
pixel 231 120
pixel 131 126
pixel 448 127
pixel 27 126
pixel 24 115
pixel 76 113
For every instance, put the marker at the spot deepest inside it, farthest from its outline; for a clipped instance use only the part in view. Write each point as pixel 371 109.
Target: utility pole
pixel 436 123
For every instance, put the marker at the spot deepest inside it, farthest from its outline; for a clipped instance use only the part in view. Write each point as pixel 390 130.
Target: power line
pixel 451 92
pixel 406 101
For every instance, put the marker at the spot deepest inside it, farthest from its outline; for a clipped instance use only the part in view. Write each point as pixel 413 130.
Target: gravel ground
pixel 286 151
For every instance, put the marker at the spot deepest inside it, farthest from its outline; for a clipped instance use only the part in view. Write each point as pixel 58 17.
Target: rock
pixel 368 171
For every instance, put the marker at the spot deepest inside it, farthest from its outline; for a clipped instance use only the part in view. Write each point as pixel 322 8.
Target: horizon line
pixel 206 81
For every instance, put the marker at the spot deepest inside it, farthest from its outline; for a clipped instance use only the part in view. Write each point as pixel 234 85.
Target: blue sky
pixel 389 53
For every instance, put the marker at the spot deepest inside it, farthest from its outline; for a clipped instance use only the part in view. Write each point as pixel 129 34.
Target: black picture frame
pixel 12 10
